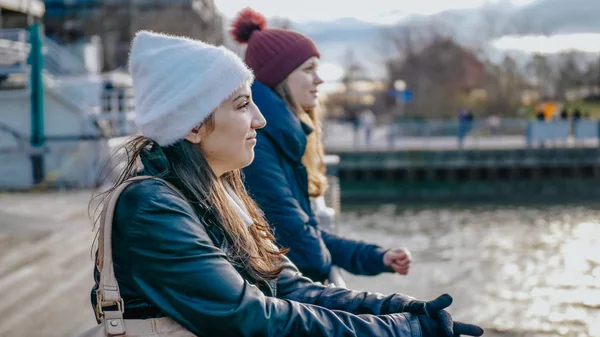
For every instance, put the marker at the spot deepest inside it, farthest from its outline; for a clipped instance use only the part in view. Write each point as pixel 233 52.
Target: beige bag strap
pixel 108 290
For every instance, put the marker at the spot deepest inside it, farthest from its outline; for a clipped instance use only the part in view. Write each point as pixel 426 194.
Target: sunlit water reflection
pixel 518 271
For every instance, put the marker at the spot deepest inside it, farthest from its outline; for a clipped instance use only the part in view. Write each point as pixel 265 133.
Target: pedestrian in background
pixel 367 121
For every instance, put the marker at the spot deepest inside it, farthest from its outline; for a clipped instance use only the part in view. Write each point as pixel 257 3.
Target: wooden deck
pixel 45 264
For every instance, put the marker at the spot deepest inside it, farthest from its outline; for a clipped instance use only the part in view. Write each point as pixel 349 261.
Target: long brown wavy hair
pixel 184 165
pixel 314 153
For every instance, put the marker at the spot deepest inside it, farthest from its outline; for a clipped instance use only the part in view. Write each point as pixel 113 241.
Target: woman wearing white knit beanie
pixel 183 249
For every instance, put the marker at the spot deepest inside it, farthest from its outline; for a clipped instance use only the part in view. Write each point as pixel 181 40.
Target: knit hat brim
pixel 179 82
pixel 285 62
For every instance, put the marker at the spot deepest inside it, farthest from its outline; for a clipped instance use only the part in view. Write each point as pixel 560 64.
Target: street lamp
pixel 402 96
pixel 399 85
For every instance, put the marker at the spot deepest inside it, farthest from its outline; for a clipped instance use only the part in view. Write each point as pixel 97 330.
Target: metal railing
pixel 59 61
pixel 441 127
pixel 14 49
pixel 12 140
pixel 64 72
pixel 116 116
pixel 485 133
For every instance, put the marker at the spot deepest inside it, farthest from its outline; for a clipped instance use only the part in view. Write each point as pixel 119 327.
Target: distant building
pixel 355 93
pixel 116 21
pixel 19 13
pixel 438 75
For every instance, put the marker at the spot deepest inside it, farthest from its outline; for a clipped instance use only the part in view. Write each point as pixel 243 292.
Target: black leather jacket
pixel 170 261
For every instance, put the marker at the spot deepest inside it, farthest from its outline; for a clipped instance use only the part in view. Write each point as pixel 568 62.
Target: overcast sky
pixel 391 11
pixel 379 11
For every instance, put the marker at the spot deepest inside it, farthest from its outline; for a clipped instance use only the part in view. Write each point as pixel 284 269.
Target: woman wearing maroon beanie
pixel 289 155
pixel 288 169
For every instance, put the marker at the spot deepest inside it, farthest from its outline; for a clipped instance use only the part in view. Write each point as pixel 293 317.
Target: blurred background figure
pixel 465 124
pixel 577 114
pixel 367 122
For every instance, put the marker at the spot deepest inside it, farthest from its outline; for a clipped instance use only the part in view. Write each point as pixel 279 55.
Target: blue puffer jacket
pixel 278 181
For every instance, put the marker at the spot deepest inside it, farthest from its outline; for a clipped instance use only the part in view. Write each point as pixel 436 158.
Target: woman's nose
pixel 318 79
pixel 259 121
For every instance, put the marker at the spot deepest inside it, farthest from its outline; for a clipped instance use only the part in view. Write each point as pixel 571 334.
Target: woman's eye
pixel 243 106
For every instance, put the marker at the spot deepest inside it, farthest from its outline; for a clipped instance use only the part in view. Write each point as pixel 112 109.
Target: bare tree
pixel 542 73
pixel 409 40
pixel 512 84
pixel 569 73
pixel 593 73
pixel 438 74
pixel 504 84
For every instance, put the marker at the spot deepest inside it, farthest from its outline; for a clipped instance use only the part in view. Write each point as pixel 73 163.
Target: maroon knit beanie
pixel 272 53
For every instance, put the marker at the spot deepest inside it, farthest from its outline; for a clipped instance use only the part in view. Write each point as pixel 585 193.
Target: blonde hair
pixel 313 158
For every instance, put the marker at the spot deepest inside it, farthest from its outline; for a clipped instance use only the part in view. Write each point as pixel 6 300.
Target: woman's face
pixel 303 83
pixel 228 144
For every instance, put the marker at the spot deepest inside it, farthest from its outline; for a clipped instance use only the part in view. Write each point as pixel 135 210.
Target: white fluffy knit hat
pixel 178 82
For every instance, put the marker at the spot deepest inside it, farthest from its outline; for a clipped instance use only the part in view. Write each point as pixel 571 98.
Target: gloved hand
pixel 434 328
pixel 429 308
pixel 435 310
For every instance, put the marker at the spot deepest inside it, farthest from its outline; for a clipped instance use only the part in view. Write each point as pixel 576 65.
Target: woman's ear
pixel 193 136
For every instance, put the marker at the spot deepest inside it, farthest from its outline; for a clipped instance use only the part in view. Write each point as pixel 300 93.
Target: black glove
pixel 435 310
pixel 434 328
pixel 428 308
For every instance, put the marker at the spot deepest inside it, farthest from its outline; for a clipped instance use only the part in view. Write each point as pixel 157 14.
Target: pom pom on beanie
pixel 247 22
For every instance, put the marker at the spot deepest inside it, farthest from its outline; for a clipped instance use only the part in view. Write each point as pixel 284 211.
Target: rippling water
pixel 517 271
